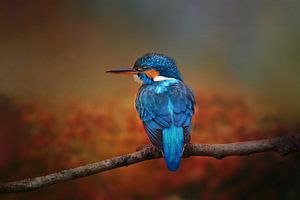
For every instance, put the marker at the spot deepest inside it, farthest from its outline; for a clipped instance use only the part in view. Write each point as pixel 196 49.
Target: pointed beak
pixel 123 71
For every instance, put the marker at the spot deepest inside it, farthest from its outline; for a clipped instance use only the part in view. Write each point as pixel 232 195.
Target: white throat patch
pixel 162 78
pixel 137 79
pixel 156 79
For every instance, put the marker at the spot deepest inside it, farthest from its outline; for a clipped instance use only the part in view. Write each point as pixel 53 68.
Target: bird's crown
pixel 164 65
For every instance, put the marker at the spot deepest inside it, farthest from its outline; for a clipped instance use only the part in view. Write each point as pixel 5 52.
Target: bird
pixel 164 103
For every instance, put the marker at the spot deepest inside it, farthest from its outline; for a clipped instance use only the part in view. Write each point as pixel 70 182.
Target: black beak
pixel 123 71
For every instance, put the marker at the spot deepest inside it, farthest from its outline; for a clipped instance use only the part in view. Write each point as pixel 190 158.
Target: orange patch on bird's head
pixel 151 73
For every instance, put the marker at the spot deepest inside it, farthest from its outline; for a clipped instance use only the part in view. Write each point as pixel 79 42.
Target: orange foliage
pixel 49 141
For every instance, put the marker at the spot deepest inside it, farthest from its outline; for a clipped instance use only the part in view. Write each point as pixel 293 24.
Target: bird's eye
pixel 140 68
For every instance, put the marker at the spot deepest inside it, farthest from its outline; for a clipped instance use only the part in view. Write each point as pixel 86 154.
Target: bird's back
pixel 166 109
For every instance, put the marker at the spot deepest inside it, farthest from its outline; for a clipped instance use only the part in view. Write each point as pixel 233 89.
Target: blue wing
pixel 153 105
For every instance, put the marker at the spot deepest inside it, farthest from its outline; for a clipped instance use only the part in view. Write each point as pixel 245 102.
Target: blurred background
pixel 58 109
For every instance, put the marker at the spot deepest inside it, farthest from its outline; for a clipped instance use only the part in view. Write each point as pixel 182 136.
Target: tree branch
pixel 282 145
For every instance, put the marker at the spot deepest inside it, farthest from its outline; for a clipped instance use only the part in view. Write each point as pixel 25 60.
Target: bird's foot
pixel 185 150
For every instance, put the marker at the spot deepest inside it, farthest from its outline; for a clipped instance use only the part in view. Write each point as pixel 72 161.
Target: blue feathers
pixel 172 142
pixel 162 63
pixel 145 79
pixel 172 146
pixel 165 105
pixel 166 109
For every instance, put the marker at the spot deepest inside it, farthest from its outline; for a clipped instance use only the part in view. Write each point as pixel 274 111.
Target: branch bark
pixel 282 145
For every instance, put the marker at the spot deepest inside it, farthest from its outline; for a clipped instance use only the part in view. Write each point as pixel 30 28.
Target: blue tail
pixel 173 146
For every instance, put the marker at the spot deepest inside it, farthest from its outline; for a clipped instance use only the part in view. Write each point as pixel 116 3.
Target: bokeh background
pixel 58 109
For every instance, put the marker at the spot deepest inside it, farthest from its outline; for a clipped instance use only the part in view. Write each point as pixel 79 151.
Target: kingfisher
pixel 164 103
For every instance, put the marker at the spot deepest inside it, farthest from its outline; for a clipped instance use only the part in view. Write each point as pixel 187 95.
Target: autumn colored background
pixel 58 109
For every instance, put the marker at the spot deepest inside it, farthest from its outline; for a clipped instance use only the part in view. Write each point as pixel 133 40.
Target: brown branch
pixel 282 145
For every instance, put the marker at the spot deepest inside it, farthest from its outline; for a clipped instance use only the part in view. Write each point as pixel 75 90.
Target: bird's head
pixel 152 67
